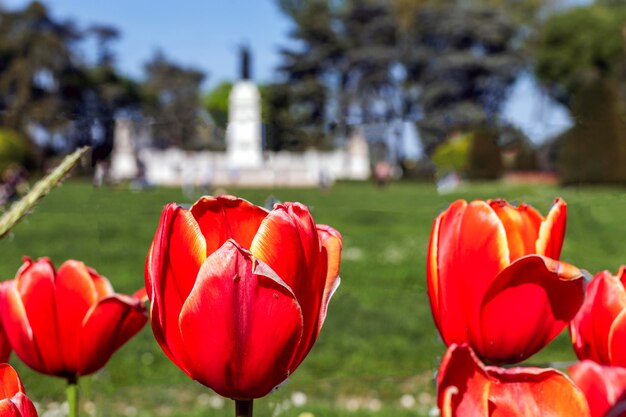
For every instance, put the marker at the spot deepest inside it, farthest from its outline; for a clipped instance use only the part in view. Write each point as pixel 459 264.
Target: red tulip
pixel 467 388
pixel 599 329
pixel 603 386
pixel 494 280
pixel 5 346
pixel 13 400
pixel 67 322
pixel 239 294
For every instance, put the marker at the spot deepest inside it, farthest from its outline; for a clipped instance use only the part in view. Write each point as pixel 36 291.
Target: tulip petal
pixel 102 285
pixel 601 385
pixel 590 328
pixel 331 242
pixel 534 392
pixel 226 217
pixel 287 241
pixel 468 388
pixel 462 384
pixel 107 326
pixel 432 275
pixel 10 383
pixel 522 227
pixel 35 283
pixel 241 325
pixel 177 252
pixel 17 327
pixel 8 409
pixel 12 393
pixel 527 305
pixel 621 275
pixel 24 405
pixel 617 340
pixel 618 410
pixel 5 345
pixel 75 293
pixel 552 231
pixel 471 251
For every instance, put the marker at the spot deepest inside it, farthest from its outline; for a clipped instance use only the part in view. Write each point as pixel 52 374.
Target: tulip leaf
pixel 20 208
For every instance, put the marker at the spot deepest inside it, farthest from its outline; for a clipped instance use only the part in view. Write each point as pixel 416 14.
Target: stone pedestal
pixel 243 135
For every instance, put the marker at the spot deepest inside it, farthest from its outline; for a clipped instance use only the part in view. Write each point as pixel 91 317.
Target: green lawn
pixel 378 344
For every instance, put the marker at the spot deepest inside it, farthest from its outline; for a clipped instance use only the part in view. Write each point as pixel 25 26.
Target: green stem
pixel 20 208
pixel 243 408
pixel 72 396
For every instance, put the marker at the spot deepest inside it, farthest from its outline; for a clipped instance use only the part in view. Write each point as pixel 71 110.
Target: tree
pixel 39 80
pixel 465 63
pixel 585 70
pixel 380 60
pixel 567 58
pixel 216 103
pixel 173 92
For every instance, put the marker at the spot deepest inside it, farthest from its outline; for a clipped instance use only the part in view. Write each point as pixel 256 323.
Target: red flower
pixel 67 322
pixel 603 386
pixel 599 329
pixel 239 294
pixel 5 346
pixel 494 280
pixel 13 400
pixel 467 388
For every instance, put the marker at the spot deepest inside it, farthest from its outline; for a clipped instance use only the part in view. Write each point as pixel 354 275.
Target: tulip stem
pixel 243 408
pixel 72 396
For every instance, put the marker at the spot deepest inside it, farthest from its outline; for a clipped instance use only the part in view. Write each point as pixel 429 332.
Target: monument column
pixel 243 134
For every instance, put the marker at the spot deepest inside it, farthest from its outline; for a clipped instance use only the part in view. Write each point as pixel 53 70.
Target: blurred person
pixel 14 183
pixel 382 173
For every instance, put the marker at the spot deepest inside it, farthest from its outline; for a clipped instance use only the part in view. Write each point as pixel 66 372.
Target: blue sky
pixel 200 33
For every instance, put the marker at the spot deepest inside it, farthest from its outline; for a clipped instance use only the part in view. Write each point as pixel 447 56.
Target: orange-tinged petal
pixel 75 294
pixel 108 325
pixel 227 217
pixel 462 384
pixel 331 242
pixel 466 388
pixel 288 243
pixel 528 304
pixel 10 383
pixel 177 252
pixel 432 273
pixel 534 392
pixel 102 285
pixel 8 409
pixel 471 251
pixel 17 327
pixel 35 283
pixel 601 385
pixel 241 325
pixel 552 231
pixel 13 402
pixel 141 294
pixel 522 227
pixel 621 275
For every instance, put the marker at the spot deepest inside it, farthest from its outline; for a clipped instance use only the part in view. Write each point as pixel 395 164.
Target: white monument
pixel 243 134
pixel 244 163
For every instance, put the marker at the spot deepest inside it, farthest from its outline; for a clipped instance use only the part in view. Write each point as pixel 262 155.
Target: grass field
pixel 378 350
